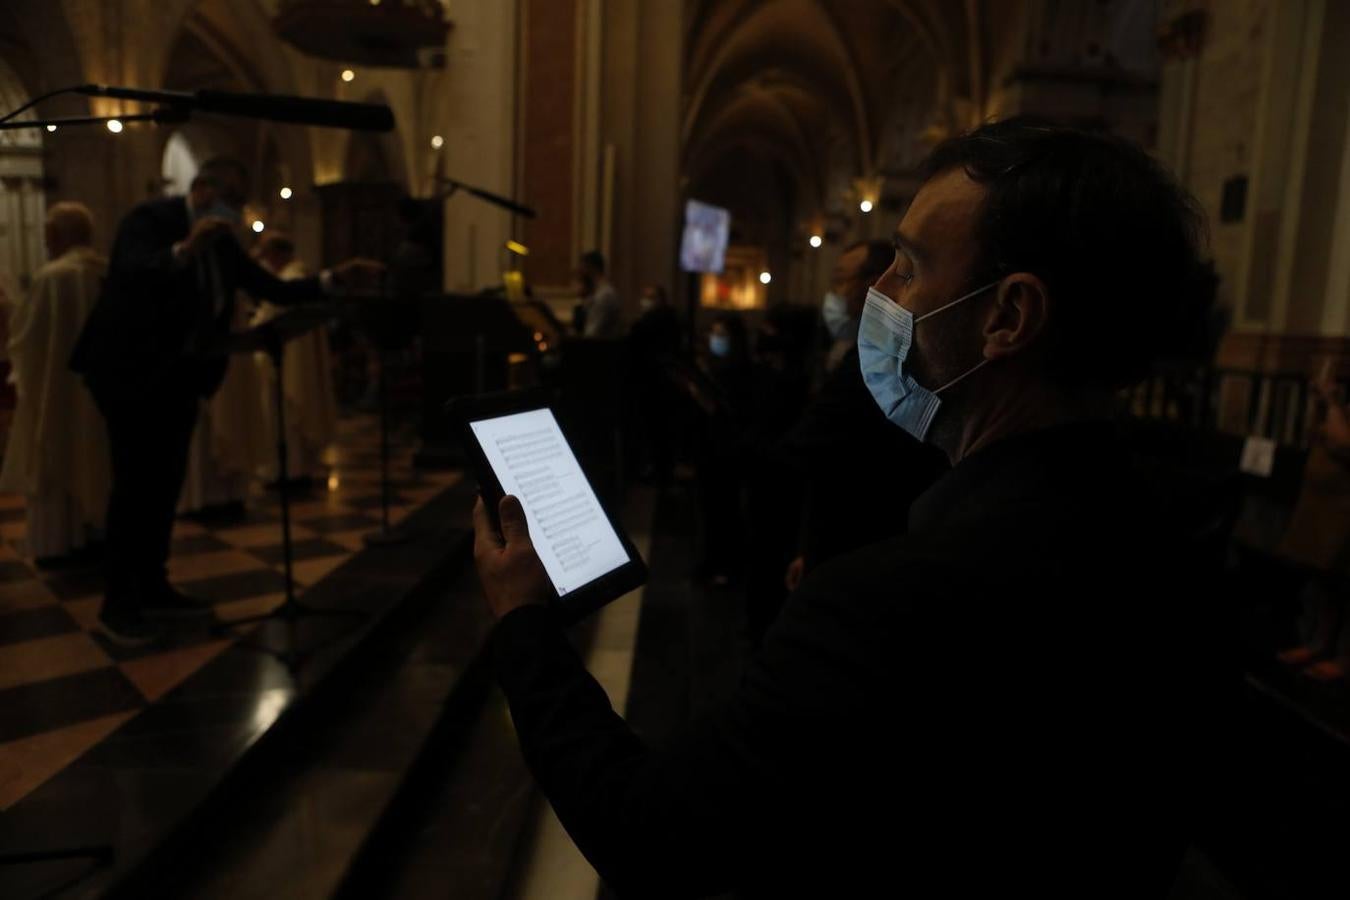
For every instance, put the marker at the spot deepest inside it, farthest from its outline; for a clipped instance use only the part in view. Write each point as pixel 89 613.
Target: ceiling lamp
pixel 409 34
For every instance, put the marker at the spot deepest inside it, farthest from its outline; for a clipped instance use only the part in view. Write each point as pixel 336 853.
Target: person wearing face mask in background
pixel 149 353
pixel 856 269
pixel 1003 701
pixel 845 506
pixel 723 395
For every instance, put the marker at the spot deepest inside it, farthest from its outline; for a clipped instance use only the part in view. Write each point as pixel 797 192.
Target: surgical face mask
pixel 835 313
pixel 885 337
pixel 222 210
pixel 719 345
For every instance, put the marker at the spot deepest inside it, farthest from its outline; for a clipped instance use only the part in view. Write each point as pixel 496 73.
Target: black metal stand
pixel 291 610
pixel 386 536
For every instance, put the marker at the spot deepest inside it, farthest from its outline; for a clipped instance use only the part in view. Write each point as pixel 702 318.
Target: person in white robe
pixel 307 379
pixel 230 445
pixel 57 452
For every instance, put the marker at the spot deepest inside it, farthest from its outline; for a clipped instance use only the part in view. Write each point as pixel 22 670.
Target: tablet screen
pixel 533 461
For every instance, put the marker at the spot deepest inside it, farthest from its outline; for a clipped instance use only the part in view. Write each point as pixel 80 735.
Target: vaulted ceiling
pixel 798 107
pixel 821 92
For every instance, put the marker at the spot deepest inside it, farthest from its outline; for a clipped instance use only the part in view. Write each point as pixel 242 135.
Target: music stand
pixel 271 337
pixel 391 322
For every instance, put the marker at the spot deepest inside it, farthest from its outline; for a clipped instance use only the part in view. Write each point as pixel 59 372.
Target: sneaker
pixel 167 602
pixel 129 630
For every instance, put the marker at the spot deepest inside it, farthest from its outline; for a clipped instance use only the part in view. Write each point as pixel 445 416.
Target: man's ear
pixel 1021 313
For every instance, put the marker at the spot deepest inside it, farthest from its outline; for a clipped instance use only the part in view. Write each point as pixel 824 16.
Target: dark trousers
pixel 149 435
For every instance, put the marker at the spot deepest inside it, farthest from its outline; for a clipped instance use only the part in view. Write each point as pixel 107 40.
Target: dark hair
pixel 211 170
pixel 880 255
pixel 594 259
pixel 277 243
pixel 1109 231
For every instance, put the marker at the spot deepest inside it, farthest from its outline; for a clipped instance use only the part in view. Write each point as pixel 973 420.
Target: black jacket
pixel 996 704
pixel 861 472
pixel 146 326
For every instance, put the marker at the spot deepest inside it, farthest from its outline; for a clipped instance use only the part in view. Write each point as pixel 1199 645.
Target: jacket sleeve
pixel 669 822
pixel 261 284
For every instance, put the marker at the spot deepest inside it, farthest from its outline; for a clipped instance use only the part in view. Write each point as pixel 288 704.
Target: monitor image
pixel 706 232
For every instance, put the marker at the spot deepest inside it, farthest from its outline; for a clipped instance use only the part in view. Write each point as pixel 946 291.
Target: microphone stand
pixel 505 203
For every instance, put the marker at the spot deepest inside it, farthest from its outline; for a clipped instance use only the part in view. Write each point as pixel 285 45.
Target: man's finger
pixel 512 515
pixel 483 532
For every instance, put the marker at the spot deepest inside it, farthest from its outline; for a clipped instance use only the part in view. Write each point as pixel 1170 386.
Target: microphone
pixel 272 107
pixel 495 199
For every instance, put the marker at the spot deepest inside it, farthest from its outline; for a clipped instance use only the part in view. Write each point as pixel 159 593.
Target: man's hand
pixel 508 567
pixel 358 273
pixel 795 570
pixel 205 231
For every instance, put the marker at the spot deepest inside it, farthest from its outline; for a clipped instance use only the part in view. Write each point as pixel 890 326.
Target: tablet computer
pixel 518 447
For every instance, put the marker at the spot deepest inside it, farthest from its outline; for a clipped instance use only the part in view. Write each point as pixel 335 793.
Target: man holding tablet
pixel 998 703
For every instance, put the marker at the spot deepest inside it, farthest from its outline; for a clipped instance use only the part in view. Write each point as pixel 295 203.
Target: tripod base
pixel 291 612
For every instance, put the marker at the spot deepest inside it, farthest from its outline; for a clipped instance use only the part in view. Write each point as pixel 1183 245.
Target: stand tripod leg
pixel 385 536
pixel 291 610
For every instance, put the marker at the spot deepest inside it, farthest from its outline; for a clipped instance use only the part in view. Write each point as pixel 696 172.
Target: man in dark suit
pixel 999 703
pixel 150 353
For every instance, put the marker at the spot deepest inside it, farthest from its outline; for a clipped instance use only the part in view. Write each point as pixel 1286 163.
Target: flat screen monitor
pixel 706 232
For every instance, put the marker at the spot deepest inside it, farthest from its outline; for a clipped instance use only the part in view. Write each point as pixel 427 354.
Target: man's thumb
pixel 512 516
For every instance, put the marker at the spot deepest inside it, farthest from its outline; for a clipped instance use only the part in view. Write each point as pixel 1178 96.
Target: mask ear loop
pixel 961 299
pixel 960 378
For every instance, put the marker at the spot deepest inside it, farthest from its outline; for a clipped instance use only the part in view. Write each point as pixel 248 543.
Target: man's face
pixel 934 261
pixel 226 188
pixel 847 279
pixel 586 278
pixel 233 191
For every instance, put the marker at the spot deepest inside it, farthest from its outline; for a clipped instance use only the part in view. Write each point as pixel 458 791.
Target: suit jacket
pixel 999 703
pixel 148 326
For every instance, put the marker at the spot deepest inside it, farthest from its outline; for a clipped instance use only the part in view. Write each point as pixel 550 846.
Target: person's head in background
pixel 728 341
pixel 220 188
pixel 1069 253
pixel 653 297
pixel 276 251
pixel 591 271
pixel 69 225
pixel 856 270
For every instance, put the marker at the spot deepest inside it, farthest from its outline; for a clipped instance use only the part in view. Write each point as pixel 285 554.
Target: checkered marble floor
pixel 63 687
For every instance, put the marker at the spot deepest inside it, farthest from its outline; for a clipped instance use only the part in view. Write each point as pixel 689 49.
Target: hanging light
pixel 765 278
pixel 258 226
pixel 437 142
pixel 348 75
pixel 285 193
pixel 115 126
pixel 51 128
pixel 865 206
pixel 816 241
